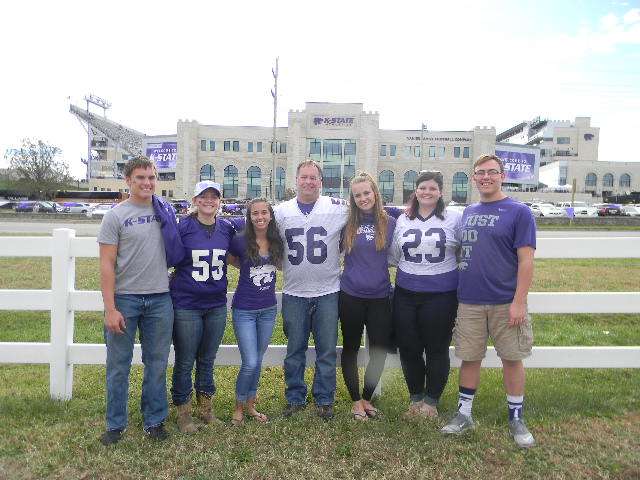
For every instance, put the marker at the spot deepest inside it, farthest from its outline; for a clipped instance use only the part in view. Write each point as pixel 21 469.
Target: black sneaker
pixel 325 412
pixel 157 432
pixel 291 409
pixel 110 437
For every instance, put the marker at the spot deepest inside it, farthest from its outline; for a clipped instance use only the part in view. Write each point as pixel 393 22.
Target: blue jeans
pixel 152 314
pixel 302 316
pixel 253 329
pixel 196 337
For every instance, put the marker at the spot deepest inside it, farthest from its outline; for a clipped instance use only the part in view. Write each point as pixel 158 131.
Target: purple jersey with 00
pixel 257 283
pixel 366 270
pixel 200 279
pixel 490 234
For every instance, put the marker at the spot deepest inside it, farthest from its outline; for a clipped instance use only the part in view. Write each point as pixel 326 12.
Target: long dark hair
pixel 412 204
pixel 276 248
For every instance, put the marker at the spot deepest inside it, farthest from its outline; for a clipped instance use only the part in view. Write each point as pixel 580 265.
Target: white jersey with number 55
pixel 311 264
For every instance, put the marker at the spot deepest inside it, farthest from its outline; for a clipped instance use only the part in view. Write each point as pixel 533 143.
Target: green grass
pixel 586 422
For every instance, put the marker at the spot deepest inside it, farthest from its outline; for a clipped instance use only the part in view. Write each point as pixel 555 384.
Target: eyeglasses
pixel 492 173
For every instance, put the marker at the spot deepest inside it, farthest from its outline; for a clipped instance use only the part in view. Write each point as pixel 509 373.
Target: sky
pixel 451 65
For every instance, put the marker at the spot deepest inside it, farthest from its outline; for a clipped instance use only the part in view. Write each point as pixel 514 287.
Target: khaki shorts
pixel 476 323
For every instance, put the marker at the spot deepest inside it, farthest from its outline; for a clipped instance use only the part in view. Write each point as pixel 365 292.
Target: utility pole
pixel 424 127
pixel 274 94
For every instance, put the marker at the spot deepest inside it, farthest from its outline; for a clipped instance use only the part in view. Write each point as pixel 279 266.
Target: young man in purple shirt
pixel 498 240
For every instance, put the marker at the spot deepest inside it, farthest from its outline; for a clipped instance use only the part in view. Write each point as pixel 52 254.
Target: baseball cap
pixel 203 185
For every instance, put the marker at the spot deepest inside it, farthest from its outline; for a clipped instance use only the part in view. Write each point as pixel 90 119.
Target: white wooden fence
pixel 61 353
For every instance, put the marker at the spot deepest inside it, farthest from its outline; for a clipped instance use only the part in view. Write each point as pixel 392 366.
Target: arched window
pixel 385 182
pixel 207 173
pixel 230 185
pixel 408 185
pixel 460 187
pixel 590 181
pixel 279 183
pixel 607 180
pixel 625 180
pixel 253 182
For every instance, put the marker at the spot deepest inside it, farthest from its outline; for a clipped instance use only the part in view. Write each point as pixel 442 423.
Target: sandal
pixel 372 412
pixel 360 416
pixel 237 422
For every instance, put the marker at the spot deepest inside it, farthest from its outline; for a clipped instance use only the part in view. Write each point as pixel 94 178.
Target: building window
pixel 625 180
pixel 315 149
pixel 460 187
pixel 253 182
pixel 283 147
pixel 562 174
pixel 408 185
pixel 383 150
pixel 590 181
pixel 227 145
pixel 349 148
pixel 164 193
pixel 607 180
pixel 164 176
pixel 212 145
pixel 279 183
pixel 207 173
pixel 441 152
pixel 392 150
pixel 563 141
pixel 465 152
pixel 385 182
pixel 249 147
pixel 236 146
pixel 456 152
pixel 259 147
pixel 432 151
pixel 170 193
pixel 230 182
pixel 203 145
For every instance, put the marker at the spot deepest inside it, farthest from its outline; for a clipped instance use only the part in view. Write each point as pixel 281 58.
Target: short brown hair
pixel 309 163
pixel 139 161
pixel 487 158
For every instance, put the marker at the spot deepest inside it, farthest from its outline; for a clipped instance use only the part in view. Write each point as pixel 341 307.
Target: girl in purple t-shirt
pixel 259 252
pixel 364 291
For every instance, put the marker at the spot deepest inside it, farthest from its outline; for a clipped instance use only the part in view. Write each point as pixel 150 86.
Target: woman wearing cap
pixel 425 301
pixel 199 293
pixel 364 291
pixel 259 253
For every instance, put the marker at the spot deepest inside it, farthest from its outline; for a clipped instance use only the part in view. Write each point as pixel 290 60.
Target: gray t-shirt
pixel 141 265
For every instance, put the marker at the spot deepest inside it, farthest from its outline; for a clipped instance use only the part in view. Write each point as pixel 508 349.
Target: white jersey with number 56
pixel 311 264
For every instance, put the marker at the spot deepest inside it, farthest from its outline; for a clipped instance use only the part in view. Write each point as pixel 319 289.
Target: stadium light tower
pixel 105 105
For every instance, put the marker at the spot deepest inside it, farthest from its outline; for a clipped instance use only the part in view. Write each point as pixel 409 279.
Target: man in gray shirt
pixel 135 291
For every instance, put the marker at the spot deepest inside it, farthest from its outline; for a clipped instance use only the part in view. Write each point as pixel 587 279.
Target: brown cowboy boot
pixel 204 409
pixel 185 420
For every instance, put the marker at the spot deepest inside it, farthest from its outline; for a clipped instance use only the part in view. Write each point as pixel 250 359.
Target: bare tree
pixel 37 168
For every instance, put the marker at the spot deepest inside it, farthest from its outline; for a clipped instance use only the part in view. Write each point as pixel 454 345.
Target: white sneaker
pixel 521 433
pixel 460 423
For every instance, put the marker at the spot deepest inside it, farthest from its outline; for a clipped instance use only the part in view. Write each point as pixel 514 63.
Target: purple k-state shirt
pixel 490 234
pixel 257 283
pixel 200 278
pixel 366 270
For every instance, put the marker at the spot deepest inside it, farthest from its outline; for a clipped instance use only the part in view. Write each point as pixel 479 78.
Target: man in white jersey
pixel 310 225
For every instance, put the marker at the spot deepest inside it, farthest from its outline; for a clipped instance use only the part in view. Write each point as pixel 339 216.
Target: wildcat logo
pixel 368 230
pixel 263 275
pixel 462 266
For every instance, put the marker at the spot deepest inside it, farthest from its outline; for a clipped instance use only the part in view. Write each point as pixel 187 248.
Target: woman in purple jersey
pixel 425 301
pixel 198 249
pixel 259 252
pixel 364 291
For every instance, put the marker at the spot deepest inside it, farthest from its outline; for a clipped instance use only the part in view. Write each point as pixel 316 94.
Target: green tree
pixel 37 168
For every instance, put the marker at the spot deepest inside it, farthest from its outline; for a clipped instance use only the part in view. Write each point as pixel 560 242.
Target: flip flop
pixel 237 422
pixel 360 416
pixel 373 412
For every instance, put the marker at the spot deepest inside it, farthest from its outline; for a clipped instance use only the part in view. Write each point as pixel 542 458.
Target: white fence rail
pixel 61 353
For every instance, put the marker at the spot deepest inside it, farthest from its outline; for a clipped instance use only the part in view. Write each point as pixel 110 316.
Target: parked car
pixel 458 207
pixel 631 210
pixel 606 209
pixel 548 210
pixel 536 212
pixel 38 206
pixel 7 204
pixel 100 209
pixel 76 207
pixel 580 209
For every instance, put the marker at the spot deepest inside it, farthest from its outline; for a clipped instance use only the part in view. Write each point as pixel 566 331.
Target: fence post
pixel 63 273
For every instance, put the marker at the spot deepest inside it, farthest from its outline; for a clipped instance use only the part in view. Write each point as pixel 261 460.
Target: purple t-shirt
pixel 490 234
pixel 366 270
pixel 257 283
pixel 200 278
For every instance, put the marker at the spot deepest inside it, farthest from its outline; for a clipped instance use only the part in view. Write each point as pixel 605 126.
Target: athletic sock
pixel 465 400
pixel 515 404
